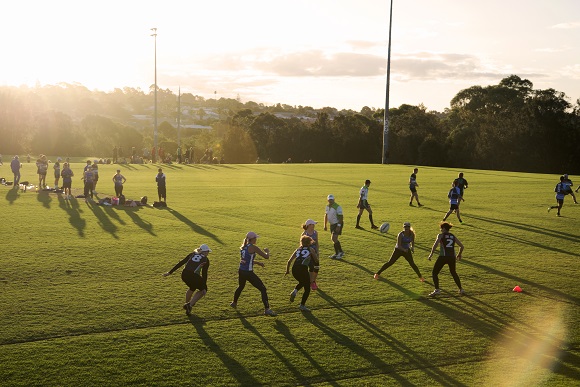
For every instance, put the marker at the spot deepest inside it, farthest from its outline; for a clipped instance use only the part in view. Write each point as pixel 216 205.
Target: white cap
pixel 330 197
pixel 204 247
pixel 252 235
pixel 309 222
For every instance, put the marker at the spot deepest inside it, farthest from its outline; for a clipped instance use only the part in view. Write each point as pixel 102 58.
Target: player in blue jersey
pixel 446 243
pixel 309 230
pixel 404 248
pixel 195 263
pixel 248 251
pixel 303 257
pixel 455 198
pixel 363 204
pixel 561 192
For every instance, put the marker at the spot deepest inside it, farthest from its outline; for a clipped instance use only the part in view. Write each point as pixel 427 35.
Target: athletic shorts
pixel 66 184
pixel 413 189
pixel 193 281
pixel 453 206
pixel 365 205
pixel 333 229
pixel 162 192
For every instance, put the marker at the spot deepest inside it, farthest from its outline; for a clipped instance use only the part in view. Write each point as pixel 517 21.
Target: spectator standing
pixel 88 179
pixel 15 166
pixel 67 175
pixel 119 180
pixel 95 169
pixel 56 168
pixel 161 185
pixel 42 169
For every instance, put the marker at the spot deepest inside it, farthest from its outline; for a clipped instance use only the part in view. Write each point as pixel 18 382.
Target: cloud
pixel 567 26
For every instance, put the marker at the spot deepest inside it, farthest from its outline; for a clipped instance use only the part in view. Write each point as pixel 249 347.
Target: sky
pixel 298 52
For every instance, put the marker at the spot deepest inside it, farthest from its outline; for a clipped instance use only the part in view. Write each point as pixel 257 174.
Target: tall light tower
pixel 154 156
pixel 386 117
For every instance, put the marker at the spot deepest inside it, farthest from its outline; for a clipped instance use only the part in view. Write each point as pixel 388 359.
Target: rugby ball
pixel 384 227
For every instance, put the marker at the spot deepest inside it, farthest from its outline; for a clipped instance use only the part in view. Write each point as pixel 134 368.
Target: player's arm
pixel 437 241
pixel 340 217
pixel 325 221
pixel 290 262
pixel 179 264
pixel 204 272
pixel 264 254
pixel 458 243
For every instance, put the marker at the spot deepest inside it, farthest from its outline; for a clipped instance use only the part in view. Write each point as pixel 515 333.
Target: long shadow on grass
pixel 532 229
pixel 73 210
pixel 523 281
pixel 194 227
pixel 326 377
pixel 132 212
pixel 236 369
pixel 103 219
pixel 44 198
pixel 267 344
pixel 413 357
pixel 501 330
pixel 12 195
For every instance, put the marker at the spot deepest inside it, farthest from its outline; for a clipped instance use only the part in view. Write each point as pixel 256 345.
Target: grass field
pixel 83 301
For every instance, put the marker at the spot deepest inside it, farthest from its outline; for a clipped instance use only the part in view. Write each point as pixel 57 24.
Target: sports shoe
pixel 549 209
pixel 303 308
pixel 374 227
pixel 340 255
pixel 411 204
pixel 233 304
pixel 270 312
pixel 461 292
pixel 313 286
pixel 422 279
pixel 293 295
pixel 434 293
pixel 187 308
pixel 420 205
pixel 359 227
pixel 376 276
pixel 333 256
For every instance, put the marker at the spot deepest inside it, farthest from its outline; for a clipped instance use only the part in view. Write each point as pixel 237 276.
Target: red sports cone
pixel 517 289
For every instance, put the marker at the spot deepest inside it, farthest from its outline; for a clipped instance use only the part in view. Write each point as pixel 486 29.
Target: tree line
pixel 508 126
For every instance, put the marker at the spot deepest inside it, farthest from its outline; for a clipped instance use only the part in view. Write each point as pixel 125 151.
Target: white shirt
pixel 332 214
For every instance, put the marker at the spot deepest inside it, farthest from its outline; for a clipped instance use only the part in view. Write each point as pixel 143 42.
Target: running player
pixel 461 183
pixel 309 231
pixel 194 263
pixel 446 242
pixel 404 248
pixel 248 251
pixel 454 199
pixel 568 187
pixel 560 195
pixel 363 204
pixel 302 257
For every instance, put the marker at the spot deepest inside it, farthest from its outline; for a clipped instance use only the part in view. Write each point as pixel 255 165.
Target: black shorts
pixel 66 184
pixel 193 281
pixel 333 229
pixel 162 191
pixel 453 207
pixel 413 189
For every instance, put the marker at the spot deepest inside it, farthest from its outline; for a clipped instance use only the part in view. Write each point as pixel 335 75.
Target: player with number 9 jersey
pixel 302 257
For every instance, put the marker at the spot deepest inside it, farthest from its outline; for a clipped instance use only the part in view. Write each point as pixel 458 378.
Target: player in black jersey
pixel 195 263
pixel 303 257
pixel 446 242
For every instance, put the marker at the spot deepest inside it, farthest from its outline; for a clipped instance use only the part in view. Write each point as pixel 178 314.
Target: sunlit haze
pixel 312 53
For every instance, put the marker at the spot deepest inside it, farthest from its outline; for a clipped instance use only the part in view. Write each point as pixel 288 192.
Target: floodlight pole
pixel 179 117
pixel 156 151
pixel 386 117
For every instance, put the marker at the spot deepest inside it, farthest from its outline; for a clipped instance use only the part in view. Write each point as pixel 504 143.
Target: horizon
pixel 334 57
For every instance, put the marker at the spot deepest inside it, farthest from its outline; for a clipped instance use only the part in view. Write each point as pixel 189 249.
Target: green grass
pixel 83 302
